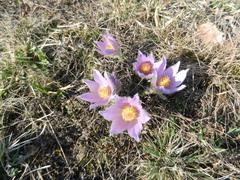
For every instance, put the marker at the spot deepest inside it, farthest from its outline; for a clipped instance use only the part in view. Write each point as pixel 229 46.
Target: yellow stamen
pixel 163 81
pixel 104 92
pixel 129 113
pixel 145 68
pixel 109 46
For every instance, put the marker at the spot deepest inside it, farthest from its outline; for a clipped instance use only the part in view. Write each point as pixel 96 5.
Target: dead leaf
pixel 209 34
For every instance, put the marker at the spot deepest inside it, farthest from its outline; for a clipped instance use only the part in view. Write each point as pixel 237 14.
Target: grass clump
pixel 175 154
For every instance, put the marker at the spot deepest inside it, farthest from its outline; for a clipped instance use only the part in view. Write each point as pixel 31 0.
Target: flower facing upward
pixel 101 89
pixel 145 65
pixel 126 114
pixel 107 46
pixel 168 81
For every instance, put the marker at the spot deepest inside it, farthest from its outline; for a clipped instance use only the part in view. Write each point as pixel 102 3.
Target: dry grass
pixel 46 50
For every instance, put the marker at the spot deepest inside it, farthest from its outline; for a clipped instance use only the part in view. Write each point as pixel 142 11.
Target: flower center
pixel 146 68
pixel 129 113
pixel 104 92
pixel 163 81
pixel 109 46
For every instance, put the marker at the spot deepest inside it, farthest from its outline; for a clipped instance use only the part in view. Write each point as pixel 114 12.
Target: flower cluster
pixel 127 113
pixel 166 81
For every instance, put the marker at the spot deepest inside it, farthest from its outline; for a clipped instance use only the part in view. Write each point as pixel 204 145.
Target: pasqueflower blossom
pixel 145 65
pixel 126 114
pixel 108 45
pixel 102 89
pixel 169 81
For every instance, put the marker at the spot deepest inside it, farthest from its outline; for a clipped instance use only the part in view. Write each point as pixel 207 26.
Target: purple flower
pixel 114 80
pixel 107 46
pixel 101 89
pixel 168 81
pixel 126 114
pixel 145 65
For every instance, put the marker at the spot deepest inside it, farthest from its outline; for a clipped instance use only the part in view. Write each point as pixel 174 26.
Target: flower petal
pixel 115 45
pixel 180 77
pixel 109 52
pixel 136 98
pixel 100 47
pixel 107 36
pixel 135 130
pixel 161 65
pixel 171 90
pixel 98 77
pixel 97 104
pixel 135 66
pixel 110 83
pixel 101 52
pixel 154 79
pixel 114 80
pixel 140 53
pixel 100 44
pixel 93 86
pixel 151 58
pixel 111 113
pixel 166 91
pixel 90 97
pixel 180 88
pixel 118 126
pixel 140 56
pixel 172 70
pixel 144 116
